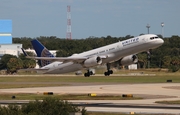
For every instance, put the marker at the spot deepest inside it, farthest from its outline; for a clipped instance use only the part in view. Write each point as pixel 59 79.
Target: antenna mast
pixel 68 34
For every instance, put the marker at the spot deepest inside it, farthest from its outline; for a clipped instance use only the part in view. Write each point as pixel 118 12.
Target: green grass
pixel 125 76
pixel 105 113
pixel 30 96
pixel 19 85
pixel 169 102
pixel 110 113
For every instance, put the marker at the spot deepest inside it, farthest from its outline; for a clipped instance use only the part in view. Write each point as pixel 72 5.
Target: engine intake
pixel 93 61
pixel 128 60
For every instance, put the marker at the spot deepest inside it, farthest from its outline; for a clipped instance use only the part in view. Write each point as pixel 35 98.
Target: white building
pixel 12 49
pixel 132 67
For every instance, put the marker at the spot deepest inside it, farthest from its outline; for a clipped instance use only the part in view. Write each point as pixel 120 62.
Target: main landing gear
pixel 108 70
pixel 107 73
pixel 89 73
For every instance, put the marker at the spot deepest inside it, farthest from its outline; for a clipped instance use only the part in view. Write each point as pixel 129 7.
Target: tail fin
pixel 41 51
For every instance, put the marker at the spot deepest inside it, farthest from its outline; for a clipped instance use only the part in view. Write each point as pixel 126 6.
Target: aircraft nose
pixel 160 41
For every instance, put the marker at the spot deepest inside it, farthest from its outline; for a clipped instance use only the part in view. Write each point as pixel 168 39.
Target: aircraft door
pixel 119 46
pixel 145 39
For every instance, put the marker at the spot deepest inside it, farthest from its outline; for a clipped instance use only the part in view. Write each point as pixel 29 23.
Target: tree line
pixel 166 56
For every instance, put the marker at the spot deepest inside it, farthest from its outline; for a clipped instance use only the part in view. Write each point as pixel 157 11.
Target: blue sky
pixel 117 18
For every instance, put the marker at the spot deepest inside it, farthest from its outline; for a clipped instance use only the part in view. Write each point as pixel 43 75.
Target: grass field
pixel 29 96
pixel 105 113
pixel 175 102
pixel 38 81
pixel 21 81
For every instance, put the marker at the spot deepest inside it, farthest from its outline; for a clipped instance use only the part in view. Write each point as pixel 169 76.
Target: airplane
pixel 123 51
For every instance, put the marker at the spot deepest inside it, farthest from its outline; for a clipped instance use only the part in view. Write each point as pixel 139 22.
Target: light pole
pixel 148 53
pixel 148 26
pixel 162 31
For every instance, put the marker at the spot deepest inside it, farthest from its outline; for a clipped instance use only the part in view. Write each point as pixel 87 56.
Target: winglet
pixel 25 54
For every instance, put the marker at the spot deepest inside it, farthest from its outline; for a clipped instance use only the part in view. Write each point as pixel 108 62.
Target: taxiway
pixel 151 93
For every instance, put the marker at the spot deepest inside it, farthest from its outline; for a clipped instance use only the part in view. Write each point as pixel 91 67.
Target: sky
pixel 117 18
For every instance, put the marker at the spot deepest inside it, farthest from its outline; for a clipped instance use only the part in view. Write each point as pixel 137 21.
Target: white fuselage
pixel 111 53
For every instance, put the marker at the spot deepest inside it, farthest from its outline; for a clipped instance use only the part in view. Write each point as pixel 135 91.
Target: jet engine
pixel 92 61
pixel 128 60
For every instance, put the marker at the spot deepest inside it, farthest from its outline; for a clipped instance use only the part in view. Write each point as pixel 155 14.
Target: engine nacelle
pixel 128 60
pixel 93 61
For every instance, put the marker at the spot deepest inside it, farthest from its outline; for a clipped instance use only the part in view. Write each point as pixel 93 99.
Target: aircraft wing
pixel 61 59
pixel 64 59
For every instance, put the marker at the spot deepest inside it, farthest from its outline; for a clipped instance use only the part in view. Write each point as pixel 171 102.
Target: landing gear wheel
pixel 108 72
pixel 86 74
pixel 90 73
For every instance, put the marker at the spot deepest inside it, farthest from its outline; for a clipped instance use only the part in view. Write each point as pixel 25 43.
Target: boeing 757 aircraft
pixel 122 51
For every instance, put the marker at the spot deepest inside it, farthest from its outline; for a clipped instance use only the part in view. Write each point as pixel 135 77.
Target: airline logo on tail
pixel 41 51
pixel 45 53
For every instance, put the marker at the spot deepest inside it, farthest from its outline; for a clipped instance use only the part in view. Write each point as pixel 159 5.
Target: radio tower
pixel 68 34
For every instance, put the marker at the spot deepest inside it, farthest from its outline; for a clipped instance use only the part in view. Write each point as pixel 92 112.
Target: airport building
pixel 13 49
pixel 5 31
pixel 6 46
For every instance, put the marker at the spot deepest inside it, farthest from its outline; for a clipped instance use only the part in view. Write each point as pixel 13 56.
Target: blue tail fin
pixel 41 51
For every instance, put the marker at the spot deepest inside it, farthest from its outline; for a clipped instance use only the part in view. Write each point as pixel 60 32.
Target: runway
pixel 150 92
pixel 155 89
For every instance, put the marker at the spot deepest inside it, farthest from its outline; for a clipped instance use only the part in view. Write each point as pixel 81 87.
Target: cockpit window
pixel 151 38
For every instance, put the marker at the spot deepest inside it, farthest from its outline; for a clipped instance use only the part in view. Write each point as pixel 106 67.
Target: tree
pixel 14 64
pixel 10 110
pixel 49 106
pixel 166 61
pixel 142 60
pixel 4 60
pixel 28 63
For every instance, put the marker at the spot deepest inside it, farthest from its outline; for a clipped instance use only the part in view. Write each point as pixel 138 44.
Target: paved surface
pixel 152 92
pixel 166 89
